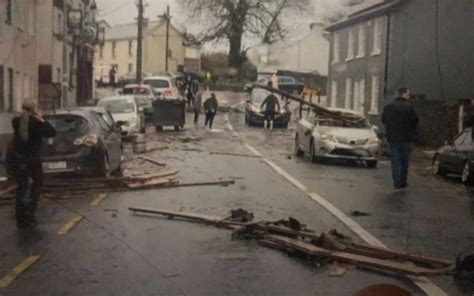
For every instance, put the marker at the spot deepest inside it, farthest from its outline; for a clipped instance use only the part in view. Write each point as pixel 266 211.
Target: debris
pixel 383 289
pixel 357 213
pixel 154 161
pixel 151 150
pixel 234 154
pixel 294 238
pixel 192 150
pixel 465 267
pixel 337 270
pixel 5 192
pixel 224 183
pixel 150 183
pixel 189 139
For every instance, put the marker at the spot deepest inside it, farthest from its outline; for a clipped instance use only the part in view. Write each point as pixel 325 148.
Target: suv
pixel 164 86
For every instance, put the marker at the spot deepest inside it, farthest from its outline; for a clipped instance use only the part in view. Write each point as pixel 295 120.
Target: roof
pixel 129 31
pixel 365 11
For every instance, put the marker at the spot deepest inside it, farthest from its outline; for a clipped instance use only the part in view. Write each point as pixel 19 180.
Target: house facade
pixel 376 50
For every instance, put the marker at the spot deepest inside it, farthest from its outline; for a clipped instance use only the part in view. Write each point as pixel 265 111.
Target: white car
pixel 126 112
pixel 352 138
pixel 164 86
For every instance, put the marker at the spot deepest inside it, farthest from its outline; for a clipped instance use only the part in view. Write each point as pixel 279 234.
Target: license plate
pixel 55 166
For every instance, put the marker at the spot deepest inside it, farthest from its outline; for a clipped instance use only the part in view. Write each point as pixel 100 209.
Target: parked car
pixel 456 158
pixel 285 83
pixel 255 115
pixel 144 94
pixel 85 144
pixel 164 86
pixel 126 111
pixel 353 138
pixel 128 78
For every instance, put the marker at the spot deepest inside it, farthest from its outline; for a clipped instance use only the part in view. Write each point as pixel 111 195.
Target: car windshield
pixel 348 123
pixel 259 95
pixel 158 83
pixel 68 124
pixel 118 106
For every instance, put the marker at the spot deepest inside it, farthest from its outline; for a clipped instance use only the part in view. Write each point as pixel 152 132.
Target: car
pixel 255 115
pixel 85 144
pixel 457 157
pixel 345 136
pixel 126 111
pixel 164 86
pixel 144 94
pixel 128 78
pixel 287 84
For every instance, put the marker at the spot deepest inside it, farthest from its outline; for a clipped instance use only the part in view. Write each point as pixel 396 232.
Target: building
pixel 120 50
pixel 385 45
pixel 309 54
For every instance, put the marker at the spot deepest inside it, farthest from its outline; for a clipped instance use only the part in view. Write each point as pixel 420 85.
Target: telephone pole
pixel 167 54
pixel 139 42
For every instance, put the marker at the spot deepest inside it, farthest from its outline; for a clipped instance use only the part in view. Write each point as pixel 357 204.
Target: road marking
pixel 98 200
pixel 15 273
pixel 76 219
pixel 425 284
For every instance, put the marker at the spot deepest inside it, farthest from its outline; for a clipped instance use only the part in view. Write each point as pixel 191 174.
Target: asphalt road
pixel 113 252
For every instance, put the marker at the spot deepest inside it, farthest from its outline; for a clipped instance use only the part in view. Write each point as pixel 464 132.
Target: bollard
pixel 139 143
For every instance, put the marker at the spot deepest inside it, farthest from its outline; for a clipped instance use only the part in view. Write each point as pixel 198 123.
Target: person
pixel 197 106
pixel 30 129
pixel 112 73
pixel 210 108
pixel 401 121
pixel 270 105
pixel 190 90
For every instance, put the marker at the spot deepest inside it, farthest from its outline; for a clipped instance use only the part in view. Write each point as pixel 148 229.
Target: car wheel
pixel 466 176
pixel 176 127
pixel 371 164
pixel 105 167
pixel 436 168
pixel 298 151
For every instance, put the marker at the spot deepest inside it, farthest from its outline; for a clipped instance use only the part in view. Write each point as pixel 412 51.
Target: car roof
pixel 137 85
pixel 347 111
pixel 84 113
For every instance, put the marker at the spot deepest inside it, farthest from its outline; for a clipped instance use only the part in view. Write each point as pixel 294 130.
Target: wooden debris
pixel 150 183
pixel 337 270
pixel 7 191
pixel 154 161
pixel 209 183
pixel 234 154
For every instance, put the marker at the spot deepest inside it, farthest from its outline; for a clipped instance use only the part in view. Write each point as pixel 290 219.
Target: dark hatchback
pixel 457 158
pixel 87 143
pixel 255 115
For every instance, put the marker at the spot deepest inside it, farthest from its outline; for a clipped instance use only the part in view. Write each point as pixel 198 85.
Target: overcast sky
pixel 125 11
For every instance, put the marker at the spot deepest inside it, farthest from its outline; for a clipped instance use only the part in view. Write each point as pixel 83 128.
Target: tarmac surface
pixel 114 252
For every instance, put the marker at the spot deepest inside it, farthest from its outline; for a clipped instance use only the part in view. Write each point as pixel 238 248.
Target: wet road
pixel 112 252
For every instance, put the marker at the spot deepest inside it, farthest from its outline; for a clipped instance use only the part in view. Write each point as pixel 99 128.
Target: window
pixel 355 104
pixel 362 41
pixel 336 49
pixel 59 24
pixel 334 94
pixel 361 97
pixel 114 46
pixel 10 89
pixel 8 19
pixel 351 45
pixel 130 48
pixel 58 75
pixel 2 89
pixel 130 68
pixel 377 47
pixel 374 97
pixel 26 86
pixel 347 103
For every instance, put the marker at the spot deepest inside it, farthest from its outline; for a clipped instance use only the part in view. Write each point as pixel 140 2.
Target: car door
pixel 305 130
pixel 453 156
pixel 112 141
pixel 464 149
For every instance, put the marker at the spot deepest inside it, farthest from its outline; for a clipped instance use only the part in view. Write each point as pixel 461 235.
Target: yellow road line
pixel 12 275
pixel 98 200
pixel 70 225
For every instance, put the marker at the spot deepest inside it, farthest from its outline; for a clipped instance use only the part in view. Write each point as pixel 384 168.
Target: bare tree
pixel 233 19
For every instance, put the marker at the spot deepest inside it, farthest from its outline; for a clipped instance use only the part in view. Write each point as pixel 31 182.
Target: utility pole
pixel 140 42
pixel 167 54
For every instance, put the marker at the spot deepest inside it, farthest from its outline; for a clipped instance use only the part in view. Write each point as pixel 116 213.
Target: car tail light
pixel 88 140
pixel 168 91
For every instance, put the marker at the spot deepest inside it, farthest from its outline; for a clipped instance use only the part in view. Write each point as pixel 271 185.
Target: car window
pixel 332 122
pixel 259 95
pixel 157 83
pixel 463 139
pixel 68 124
pixel 99 120
pixel 286 80
pixel 118 106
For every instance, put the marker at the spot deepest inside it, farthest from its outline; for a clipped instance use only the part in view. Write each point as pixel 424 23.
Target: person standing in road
pixel 192 87
pixel 210 108
pixel 29 131
pixel 401 121
pixel 270 106
pixel 197 106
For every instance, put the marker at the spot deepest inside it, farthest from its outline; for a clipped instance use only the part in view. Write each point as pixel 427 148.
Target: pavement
pixel 113 252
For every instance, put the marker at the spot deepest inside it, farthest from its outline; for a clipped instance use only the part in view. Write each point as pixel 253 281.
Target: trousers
pixel 210 119
pixel 29 181
pixel 400 158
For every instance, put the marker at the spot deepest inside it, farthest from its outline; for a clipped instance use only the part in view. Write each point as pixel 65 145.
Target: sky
pixel 125 11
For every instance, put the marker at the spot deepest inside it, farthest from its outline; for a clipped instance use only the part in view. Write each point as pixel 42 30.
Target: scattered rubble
pixel 332 247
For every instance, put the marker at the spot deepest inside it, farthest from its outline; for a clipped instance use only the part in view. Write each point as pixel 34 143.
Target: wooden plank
pixel 154 161
pixel 149 183
pixel 8 190
pixel 17 271
pixel 234 154
pixel 298 245
pixel 210 183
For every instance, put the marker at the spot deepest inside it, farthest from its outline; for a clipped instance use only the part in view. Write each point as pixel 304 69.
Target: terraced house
pixel 388 44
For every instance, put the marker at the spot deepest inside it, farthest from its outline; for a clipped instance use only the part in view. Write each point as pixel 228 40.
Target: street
pixel 113 252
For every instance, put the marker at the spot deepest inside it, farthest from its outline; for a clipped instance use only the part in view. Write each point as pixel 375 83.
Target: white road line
pixel 425 284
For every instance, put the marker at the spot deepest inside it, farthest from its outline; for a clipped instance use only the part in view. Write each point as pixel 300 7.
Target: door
pixel 456 154
pixel 112 141
pixel 305 132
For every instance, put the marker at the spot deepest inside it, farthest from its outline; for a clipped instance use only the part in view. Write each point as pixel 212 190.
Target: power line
pixel 116 9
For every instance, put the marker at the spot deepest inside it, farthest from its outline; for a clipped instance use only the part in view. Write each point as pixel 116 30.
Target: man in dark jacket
pixel 400 122
pixel 29 131
pixel 210 108
pixel 270 106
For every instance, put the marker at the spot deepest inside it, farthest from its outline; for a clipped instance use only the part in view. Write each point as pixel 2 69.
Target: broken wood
pixel 211 183
pixel 234 154
pixel 150 183
pixel 154 161
pixel 7 191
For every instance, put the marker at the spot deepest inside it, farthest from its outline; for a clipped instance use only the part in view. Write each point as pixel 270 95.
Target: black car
pixel 88 143
pixel 255 115
pixel 457 158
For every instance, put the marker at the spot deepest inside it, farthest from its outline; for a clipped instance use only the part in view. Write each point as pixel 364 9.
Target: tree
pixel 232 20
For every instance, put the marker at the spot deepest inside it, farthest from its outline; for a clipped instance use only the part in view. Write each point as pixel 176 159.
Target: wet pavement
pixel 114 252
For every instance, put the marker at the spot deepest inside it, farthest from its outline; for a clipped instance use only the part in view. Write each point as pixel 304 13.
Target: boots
pixel 271 125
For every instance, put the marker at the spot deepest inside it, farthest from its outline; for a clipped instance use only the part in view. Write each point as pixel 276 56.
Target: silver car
pixel 352 138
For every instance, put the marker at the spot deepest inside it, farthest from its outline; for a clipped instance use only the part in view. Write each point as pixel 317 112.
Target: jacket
pixel 401 121
pixel 211 105
pixel 271 103
pixel 198 103
pixel 38 130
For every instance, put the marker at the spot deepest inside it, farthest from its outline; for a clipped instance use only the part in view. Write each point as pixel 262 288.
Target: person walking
pixel 197 106
pixel 401 121
pixel 192 87
pixel 210 108
pixel 30 129
pixel 270 106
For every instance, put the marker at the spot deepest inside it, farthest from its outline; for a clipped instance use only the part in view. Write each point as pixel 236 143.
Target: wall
pixel 122 57
pixel 155 48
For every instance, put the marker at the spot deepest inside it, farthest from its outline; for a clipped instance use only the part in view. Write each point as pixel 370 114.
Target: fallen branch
pixel 154 161
pixel 234 154
pixel 211 183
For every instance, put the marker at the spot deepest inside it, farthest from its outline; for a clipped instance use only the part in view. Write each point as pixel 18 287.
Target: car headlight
pixel 255 109
pixel 328 137
pixel 374 140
